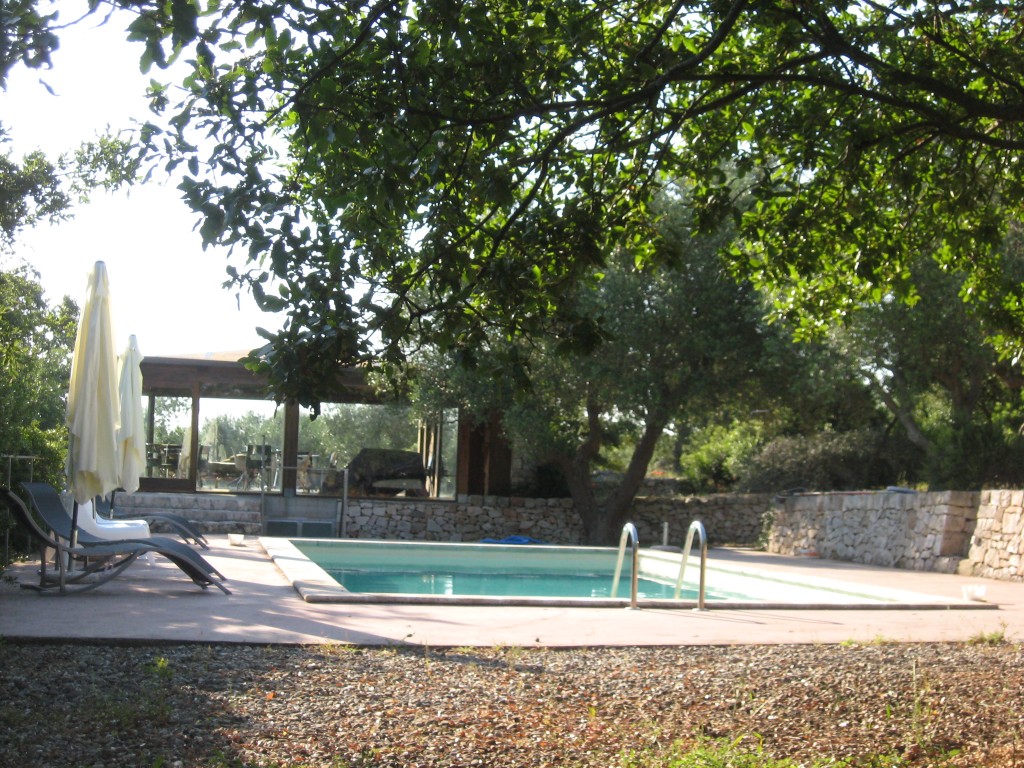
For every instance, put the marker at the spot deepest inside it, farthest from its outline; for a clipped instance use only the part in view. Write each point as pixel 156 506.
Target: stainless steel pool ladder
pixel 628 533
pixel 696 527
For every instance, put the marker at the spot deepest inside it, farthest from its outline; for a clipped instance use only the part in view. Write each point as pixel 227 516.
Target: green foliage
pixel 717 455
pixel 981 453
pixel 26 35
pixel 671 340
pixel 228 434
pixel 30 191
pixel 706 753
pixel 404 177
pixel 452 173
pixel 342 430
pixel 946 389
pixel 827 461
pixel 35 362
pixel 35 365
pixel 992 637
pixel 150 704
pixel 36 189
pixel 108 162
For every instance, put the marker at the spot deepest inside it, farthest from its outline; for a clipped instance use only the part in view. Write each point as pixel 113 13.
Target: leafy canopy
pixel 448 170
pixel 35 363
pixel 675 341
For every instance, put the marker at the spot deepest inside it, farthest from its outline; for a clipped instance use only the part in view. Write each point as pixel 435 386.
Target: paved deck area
pixel 156 603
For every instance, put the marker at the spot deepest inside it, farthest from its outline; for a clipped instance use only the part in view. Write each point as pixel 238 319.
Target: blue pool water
pixel 506 584
pixel 351 570
pixel 489 570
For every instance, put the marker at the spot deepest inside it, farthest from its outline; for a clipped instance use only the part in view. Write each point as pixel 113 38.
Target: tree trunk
pixel 603 521
pixel 906 420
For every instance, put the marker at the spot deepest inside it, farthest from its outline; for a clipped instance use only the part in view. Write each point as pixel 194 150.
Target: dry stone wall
pixel 727 518
pixel 915 531
pixel 213 512
pixel 470 518
pixel 997 540
pixel 978 534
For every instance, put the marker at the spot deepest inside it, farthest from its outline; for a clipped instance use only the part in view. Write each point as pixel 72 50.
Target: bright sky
pixel 164 288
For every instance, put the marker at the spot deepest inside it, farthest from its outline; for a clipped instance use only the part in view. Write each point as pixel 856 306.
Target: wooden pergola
pixel 484 459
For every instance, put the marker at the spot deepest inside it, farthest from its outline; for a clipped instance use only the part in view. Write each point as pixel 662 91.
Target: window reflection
pixel 385 449
pixel 240 445
pixel 169 420
pixel 380 445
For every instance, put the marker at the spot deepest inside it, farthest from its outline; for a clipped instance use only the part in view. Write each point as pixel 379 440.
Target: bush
pixel 715 456
pixel 829 461
pixel 976 456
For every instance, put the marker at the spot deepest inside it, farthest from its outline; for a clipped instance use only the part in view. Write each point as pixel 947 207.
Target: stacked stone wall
pixel 727 518
pixel 913 531
pixel 977 534
pixel 470 518
pixel 997 540
pixel 213 512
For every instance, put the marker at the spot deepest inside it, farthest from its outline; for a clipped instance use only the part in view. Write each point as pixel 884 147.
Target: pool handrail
pixel 695 527
pixel 629 532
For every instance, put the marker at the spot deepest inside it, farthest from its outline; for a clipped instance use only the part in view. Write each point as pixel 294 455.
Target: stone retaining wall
pixel 998 537
pixel 470 518
pixel 977 534
pixel 914 531
pixel 214 512
pixel 727 518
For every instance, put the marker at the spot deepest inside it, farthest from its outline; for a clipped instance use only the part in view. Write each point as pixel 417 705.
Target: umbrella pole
pixel 74 526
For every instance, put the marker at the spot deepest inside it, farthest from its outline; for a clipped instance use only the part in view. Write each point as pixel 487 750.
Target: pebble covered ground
pixel 335 705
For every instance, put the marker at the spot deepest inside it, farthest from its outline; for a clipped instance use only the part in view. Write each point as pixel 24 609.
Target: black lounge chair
pixel 177 523
pixel 100 560
pixel 48 504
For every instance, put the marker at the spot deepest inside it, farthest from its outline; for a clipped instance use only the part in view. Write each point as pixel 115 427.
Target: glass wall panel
pixel 170 419
pixel 240 445
pixel 385 448
pixel 449 429
pixel 379 444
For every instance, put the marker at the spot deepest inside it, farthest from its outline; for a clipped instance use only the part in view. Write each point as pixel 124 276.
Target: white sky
pixel 164 288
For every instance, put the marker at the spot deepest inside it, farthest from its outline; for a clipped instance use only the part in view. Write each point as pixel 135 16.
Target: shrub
pixel 715 456
pixel 829 461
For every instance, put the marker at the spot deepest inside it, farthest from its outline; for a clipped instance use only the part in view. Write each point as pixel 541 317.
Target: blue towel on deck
pixel 513 540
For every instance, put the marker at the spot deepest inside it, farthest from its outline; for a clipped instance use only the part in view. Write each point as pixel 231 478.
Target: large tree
pixel 441 169
pixel 450 169
pixel 30 192
pixel 928 364
pixel 674 340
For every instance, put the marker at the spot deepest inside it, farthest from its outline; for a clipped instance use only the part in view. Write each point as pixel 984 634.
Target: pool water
pixel 597 585
pixel 496 570
pixel 359 570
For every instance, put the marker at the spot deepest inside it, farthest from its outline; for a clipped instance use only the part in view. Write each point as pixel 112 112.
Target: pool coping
pixel 314 585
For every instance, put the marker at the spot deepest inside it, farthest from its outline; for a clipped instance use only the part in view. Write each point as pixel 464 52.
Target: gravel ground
pixel 334 705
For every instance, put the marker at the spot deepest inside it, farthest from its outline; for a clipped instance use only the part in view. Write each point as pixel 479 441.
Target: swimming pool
pixel 437 572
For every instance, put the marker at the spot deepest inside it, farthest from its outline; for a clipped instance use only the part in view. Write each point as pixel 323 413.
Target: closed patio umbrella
pixel 93 413
pixel 131 437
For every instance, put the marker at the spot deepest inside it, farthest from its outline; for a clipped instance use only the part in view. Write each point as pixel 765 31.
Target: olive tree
pixel 671 340
pixel 449 171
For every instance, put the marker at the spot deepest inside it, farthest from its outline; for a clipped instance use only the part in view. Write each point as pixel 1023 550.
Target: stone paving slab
pixel 155 603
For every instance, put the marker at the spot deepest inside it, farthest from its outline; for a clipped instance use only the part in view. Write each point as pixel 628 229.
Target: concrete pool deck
pixel 156 603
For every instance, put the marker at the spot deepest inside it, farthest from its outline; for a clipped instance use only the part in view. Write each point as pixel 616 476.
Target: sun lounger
pixel 48 504
pixel 177 523
pixel 105 528
pixel 96 563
